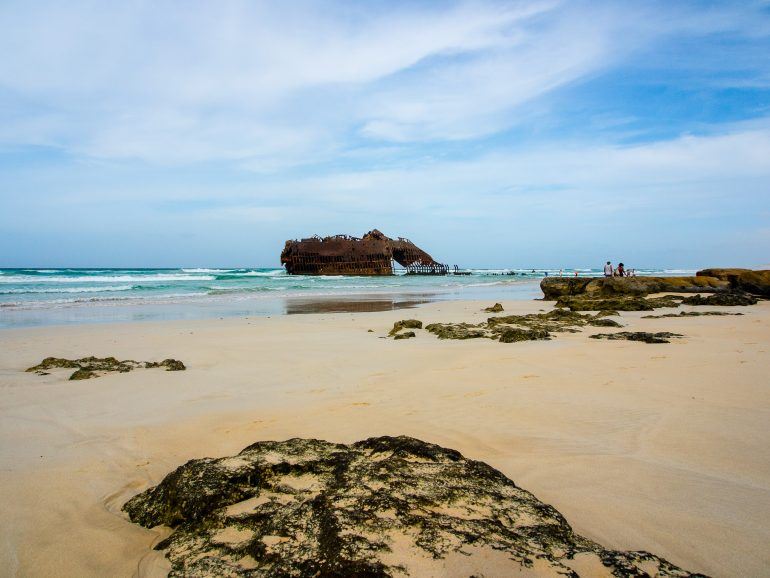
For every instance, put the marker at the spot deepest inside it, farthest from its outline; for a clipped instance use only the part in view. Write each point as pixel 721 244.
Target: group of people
pixel 619 271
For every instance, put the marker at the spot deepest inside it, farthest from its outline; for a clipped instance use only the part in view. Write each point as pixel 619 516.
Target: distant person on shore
pixel 608 270
pixel 621 270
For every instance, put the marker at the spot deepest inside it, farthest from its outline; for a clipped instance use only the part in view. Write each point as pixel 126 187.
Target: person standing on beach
pixel 608 271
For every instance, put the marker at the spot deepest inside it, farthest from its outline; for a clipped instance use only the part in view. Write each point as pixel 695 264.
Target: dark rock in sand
pixel 90 367
pixel 457 330
pixel 496 308
pixel 82 374
pixel 312 508
pixel 405 324
pixel 405 335
pixel 557 287
pixel 601 322
pixel 688 314
pixel 721 300
pixel 516 334
pixel 617 303
pixel 660 337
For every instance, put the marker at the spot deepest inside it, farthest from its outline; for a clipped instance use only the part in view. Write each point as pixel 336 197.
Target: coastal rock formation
pixel 90 367
pixel 405 324
pixel 385 506
pixel 689 314
pixel 617 303
pixel 755 282
pixel 405 335
pixel 721 299
pixel 555 287
pixel 644 336
pixel 496 308
pixel 515 328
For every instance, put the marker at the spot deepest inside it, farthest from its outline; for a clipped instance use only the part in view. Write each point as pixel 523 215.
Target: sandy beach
pixel 644 447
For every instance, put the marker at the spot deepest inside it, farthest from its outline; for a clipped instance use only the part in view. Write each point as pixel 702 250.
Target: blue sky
pixel 503 134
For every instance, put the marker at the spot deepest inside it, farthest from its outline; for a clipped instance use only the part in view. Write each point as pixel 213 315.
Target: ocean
pixel 56 296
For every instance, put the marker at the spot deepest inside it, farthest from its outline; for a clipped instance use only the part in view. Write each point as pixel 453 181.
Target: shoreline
pixel 654 447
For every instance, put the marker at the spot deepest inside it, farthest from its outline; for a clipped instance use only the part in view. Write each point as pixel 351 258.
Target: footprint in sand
pixel 529 376
pixel 360 403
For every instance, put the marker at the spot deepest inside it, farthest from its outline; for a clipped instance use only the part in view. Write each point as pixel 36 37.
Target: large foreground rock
pixel 756 282
pixel 555 287
pixel 380 507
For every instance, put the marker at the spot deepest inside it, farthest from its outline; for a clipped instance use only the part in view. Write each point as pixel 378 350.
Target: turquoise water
pixel 47 296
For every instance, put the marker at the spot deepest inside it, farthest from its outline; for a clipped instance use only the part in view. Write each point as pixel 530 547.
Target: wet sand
pixel 655 447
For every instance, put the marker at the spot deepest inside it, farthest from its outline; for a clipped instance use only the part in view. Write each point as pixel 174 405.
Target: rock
pixel 617 303
pixel 82 374
pixel 556 287
pixel 660 337
pixel 557 320
pixel 405 324
pixel 688 314
pixel 90 367
pixel 496 308
pixel 457 330
pixel 604 323
pixel 755 282
pixel 515 334
pixel 721 300
pixel 405 335
pixel 386 506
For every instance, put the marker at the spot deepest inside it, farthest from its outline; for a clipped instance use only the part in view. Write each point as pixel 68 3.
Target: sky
pixel 493 134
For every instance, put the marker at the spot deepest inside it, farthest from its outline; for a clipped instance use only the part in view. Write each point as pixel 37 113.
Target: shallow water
pixel 61 296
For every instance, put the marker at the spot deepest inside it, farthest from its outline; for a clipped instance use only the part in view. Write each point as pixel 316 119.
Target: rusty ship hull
pixel 371 255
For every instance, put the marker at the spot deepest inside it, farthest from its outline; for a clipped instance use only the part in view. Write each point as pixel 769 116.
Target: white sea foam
pixel 66 289
pixel 105 279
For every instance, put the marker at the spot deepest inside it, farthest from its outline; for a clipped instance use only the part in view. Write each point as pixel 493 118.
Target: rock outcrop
pixel 747 280
pixel 496 308
pixel 405 324
pixel 556 287
pixel 90 367
pixel 644 336
pixel 386 506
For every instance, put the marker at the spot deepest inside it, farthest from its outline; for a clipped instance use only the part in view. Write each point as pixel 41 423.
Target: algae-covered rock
pixel 558 287
pixel 644 336
pixel 82 374
pixel 516 334
pixel 457 330
pixel 90 367
pixel 618 303
pixel 721 300
pixel 496 308
pixel 603 322
pixel 689 314
pixel 387 506
pixel 405 335
pixel 405 324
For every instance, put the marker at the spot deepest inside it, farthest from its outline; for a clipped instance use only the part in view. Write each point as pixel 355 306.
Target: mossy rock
pixel 516 334
pixel 405 324
pixel 405 335
pixel 496 308
pixel 457 330
pixel 643 336
pixel 722 300
pixel 381 507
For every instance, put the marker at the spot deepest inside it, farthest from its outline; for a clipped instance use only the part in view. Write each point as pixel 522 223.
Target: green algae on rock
pixel 405 335
pixel 90 367
pixel 514 334
pixel 496 308
pixel 374 508
pixel 405 324
pixel 617 303
pixel 722 300
pixel 644 336
pixel 457 330
pixel 689 314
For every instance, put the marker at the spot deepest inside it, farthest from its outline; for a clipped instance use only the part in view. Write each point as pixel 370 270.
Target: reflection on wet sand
pixel 348 305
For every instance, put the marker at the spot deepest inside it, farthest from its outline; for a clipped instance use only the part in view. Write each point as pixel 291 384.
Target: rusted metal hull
pixel 373 254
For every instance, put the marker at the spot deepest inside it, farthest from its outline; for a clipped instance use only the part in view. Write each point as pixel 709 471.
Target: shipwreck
pixel 372 254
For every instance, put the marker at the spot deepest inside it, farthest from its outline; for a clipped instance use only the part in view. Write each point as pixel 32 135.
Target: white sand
pixel 664 448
